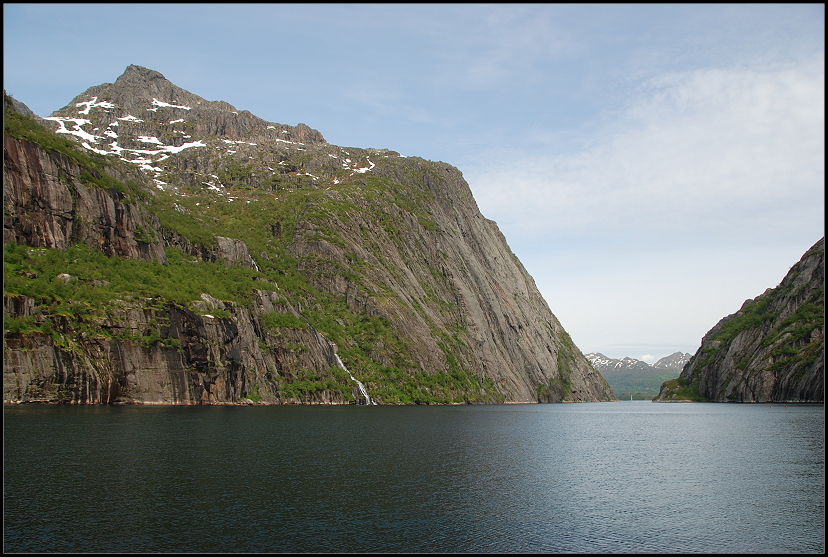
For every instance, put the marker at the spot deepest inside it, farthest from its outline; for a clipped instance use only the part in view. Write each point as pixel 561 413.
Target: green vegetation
pixel 100 279
pixel 565 358
pixel 641 384
pixel 790 337
pixel 680 389
pixel 275 320
pixel 92 287
pixel 754 314
pixel 306 382
pixel 559 388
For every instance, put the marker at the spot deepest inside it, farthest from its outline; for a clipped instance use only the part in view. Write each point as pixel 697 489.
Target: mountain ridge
pixel 676 360
pixel 274 267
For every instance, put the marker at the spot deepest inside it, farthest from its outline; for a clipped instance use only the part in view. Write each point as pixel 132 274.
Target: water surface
pixel 597 477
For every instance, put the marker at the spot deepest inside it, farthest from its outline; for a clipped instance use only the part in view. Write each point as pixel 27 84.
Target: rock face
pixel 213 360
pixel 382 261
pixel 771 350
pixel 47 204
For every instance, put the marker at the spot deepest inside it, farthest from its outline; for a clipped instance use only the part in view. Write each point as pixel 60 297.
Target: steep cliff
pixel 160 248
pixel 771 350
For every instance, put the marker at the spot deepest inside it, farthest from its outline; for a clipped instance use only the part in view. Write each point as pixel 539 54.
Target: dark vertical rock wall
pixel 772 349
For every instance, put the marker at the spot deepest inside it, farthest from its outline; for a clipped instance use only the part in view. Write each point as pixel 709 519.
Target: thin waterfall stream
pixel 366 398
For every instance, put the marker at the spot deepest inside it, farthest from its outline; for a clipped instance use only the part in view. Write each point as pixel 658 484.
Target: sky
pixel 652 166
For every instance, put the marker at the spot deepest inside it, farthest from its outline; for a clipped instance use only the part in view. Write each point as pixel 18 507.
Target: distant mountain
pixel 673 361
pixel 771 350
pixel 630 377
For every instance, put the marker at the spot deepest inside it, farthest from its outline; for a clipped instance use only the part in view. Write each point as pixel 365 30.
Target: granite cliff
pixel 771 350
pixel 161 248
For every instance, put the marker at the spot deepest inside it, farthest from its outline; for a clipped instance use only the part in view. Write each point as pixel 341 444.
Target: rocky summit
pixel 771 350
pixel 162 248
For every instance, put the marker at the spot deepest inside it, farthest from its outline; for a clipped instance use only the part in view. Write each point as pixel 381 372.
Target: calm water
pixel 600 477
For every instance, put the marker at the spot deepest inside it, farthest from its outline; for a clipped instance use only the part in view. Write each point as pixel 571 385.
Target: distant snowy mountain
pixel 606 364
pixel 631 377
pixel 603 363
pixel 673 361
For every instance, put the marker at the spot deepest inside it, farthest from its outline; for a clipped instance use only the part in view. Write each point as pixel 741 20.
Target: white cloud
pixel 699 193
pixel 700 153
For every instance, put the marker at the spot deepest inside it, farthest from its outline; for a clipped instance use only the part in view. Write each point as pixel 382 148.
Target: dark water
pixel 601 477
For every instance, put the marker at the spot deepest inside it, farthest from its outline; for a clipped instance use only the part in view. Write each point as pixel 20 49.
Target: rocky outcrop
pixel 200 359
pixel 450 269
pixel 387 256
pixel 49 204
pixel 20 107
pixel 771 350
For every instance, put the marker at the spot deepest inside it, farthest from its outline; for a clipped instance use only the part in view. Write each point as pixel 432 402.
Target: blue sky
pixel 652 166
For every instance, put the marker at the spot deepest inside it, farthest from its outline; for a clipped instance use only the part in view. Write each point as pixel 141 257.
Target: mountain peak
pixel 134 72
pixel 139 89
pixel 676 361
pixel 630 377
pixel 603 363
pixel 145 119
pixel 144 79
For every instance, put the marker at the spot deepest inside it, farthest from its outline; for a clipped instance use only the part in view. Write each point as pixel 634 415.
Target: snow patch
pixel 291 142
pixel 93 102
pixel 99 151
pixel 156 102
pixel 171 149
pixel 77 131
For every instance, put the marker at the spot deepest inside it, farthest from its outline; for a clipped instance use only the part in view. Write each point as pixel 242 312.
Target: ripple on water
pixel 621 477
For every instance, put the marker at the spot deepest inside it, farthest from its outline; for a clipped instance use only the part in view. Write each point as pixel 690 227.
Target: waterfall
pixel 368 400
